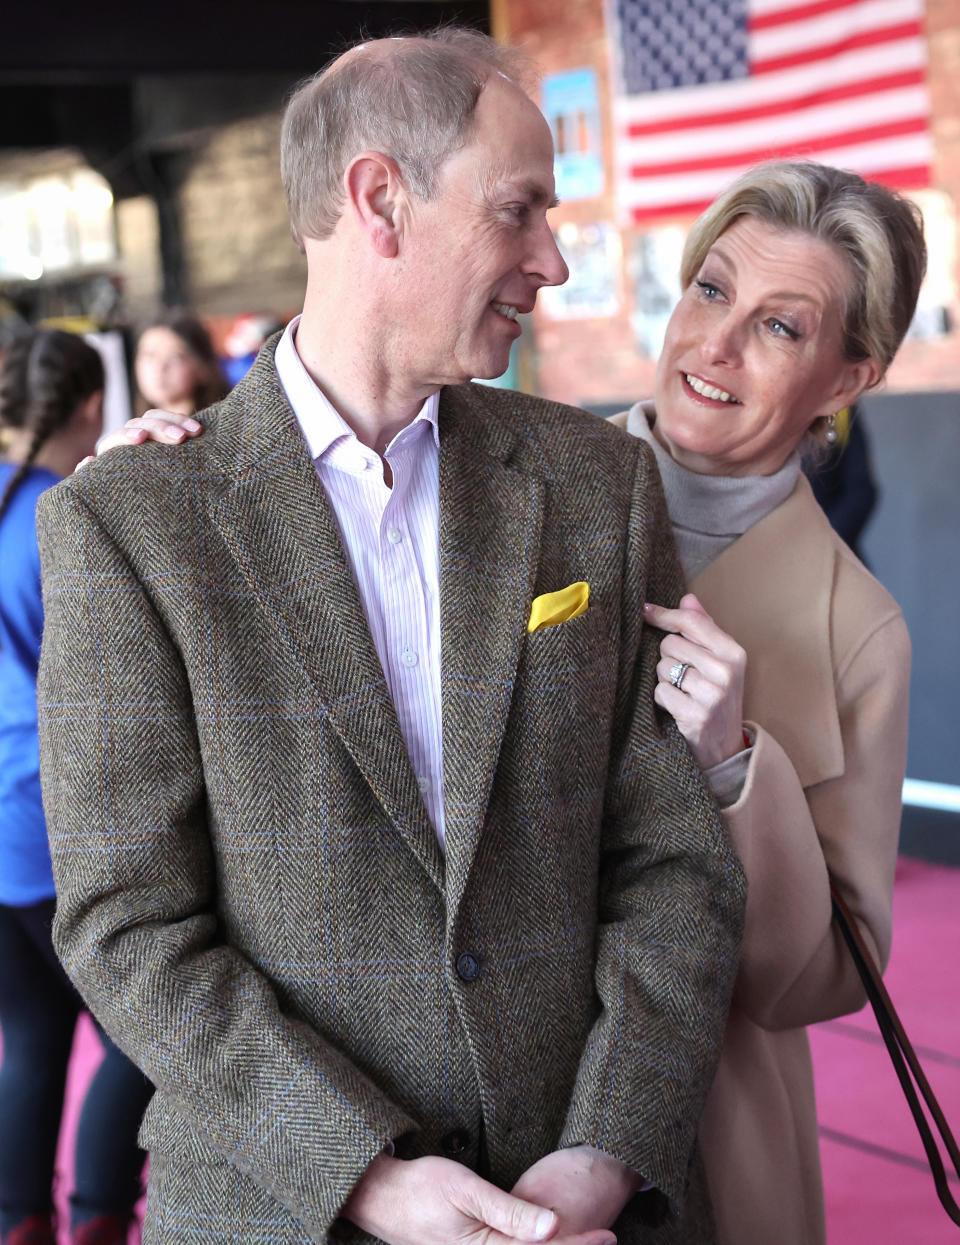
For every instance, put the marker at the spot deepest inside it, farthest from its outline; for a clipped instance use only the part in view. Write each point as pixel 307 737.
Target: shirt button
pixel 424 785
pixel 409 657
pixel 468 966
pixel 455 1141
pixel 394 535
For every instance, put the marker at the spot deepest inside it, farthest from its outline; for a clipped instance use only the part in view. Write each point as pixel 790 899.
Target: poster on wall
pixel 655 276
pixel 592 253
pixel 571 106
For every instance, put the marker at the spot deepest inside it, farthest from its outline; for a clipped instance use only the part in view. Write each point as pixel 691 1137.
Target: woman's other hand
pixel 164 426
pixel 708 706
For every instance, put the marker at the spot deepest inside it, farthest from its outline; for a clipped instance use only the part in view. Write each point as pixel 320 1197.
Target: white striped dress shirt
pixel 390 536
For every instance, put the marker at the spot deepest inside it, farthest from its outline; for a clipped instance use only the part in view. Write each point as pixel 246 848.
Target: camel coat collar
pixel 783 568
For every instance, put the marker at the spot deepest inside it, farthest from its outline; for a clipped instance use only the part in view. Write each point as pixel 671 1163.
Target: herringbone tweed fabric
pixel 251 896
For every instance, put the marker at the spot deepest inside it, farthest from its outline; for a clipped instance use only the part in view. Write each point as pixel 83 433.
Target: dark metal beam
pixel 116 40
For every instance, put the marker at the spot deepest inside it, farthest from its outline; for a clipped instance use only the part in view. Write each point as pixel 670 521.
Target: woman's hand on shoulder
pixel 165 426
pixel 710 667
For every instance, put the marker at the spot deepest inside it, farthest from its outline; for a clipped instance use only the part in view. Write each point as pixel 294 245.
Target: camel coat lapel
pixel 278 523
pixel 491 515
pixel 788 562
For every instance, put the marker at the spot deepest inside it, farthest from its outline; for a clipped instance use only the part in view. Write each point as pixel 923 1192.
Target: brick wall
pixel 598 360
pixel 238 252
pixel 138 241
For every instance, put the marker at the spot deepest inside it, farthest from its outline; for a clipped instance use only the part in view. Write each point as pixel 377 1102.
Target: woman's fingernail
pixel 647 607
pixel 173 434
pixel 191 425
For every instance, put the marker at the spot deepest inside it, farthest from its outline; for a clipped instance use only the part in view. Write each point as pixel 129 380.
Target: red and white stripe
pixel 838 81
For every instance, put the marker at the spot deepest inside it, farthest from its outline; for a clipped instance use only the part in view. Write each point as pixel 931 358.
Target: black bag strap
pixel 905 1062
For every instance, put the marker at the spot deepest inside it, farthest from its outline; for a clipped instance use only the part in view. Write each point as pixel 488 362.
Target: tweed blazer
pixel 251 896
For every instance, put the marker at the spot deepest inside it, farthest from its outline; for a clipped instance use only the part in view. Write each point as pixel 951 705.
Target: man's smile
pixel 505 309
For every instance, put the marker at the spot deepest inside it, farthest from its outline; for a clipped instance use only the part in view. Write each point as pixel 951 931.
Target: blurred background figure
pixel 243 343
pixel 842 479
pixel 175 365
pixel 51 400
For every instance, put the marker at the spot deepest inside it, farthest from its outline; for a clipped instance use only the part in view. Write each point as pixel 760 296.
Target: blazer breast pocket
pixel 567 672
pixel 579 642
pixel 566 687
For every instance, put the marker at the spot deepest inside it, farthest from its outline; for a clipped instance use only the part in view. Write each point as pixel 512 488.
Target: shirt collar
pixel 322 425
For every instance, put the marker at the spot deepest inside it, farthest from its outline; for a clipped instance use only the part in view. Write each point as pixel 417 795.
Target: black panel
pixel 119 39
pixel 118 80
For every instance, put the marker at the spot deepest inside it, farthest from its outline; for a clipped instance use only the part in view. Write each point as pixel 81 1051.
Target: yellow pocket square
pixel 560 606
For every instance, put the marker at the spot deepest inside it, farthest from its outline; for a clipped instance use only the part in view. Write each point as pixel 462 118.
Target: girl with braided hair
pixel 51 399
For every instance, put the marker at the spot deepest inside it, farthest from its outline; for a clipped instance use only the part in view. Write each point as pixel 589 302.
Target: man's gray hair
pixel 412 99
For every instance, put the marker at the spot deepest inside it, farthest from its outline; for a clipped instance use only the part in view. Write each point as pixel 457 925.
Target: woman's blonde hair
pixel 412 99
pixel 879 232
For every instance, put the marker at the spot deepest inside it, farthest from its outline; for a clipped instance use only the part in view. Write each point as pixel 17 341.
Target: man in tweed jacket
pixel 361 1027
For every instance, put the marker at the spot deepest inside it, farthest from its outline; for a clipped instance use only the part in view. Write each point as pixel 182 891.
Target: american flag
pixel 711 87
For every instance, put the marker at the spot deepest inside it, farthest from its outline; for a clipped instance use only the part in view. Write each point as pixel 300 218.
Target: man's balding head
pixel 412 99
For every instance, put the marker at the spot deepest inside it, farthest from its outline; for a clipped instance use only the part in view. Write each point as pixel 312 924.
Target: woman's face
pixel 753 352
pixel 167 370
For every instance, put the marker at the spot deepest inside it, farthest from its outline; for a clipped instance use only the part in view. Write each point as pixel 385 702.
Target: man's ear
pixel 374 190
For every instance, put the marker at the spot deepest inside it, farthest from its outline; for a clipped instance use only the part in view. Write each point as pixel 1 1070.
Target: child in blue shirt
pixel 51 400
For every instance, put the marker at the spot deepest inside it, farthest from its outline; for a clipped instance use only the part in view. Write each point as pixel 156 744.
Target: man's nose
pixel 546 262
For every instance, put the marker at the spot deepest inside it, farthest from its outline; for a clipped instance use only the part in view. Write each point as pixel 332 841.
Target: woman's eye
pixel 709 290
pixel 779 329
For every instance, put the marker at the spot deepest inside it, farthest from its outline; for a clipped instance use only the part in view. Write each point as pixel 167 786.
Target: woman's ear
pixel 374 189
pixel 855 379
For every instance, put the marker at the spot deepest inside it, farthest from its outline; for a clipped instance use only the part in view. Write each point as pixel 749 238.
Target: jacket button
pixel 468 966
pixel 455 1142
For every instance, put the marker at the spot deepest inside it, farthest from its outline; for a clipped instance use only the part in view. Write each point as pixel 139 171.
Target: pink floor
pixel 877 1189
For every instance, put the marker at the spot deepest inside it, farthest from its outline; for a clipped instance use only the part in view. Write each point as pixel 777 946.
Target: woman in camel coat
pixel 799 284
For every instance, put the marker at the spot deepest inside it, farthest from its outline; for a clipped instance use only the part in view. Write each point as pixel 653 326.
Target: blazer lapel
pixel 491 515
pixel 771 589
pixel 277 521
